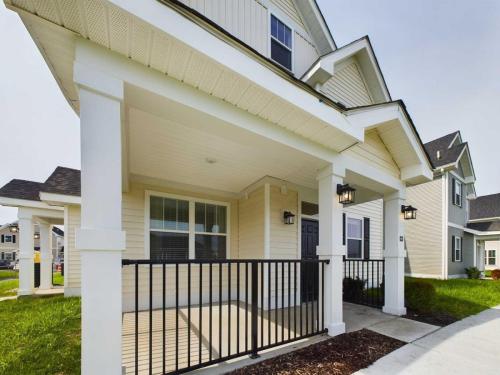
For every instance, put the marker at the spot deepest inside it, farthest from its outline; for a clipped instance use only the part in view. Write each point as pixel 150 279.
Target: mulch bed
pixel 340 355
pixel 435 318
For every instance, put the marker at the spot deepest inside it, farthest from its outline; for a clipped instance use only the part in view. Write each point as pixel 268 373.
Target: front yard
pixel 40 336
pixel 9 282
pixel 449 300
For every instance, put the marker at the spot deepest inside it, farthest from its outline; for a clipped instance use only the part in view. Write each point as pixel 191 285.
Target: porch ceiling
pixel 171 142
pixel 55 25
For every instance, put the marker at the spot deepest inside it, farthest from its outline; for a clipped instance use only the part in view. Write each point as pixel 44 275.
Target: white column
pixel 394 254
pixel 45 256
pixel 100 238
pixel 26 254
pixel 330 246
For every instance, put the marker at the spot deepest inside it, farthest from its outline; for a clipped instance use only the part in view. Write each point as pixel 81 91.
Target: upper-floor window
pixel 7 238
pixel 281 43
pixel 457 193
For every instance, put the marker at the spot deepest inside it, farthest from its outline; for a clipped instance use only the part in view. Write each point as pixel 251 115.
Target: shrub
pixel 495 274
pixel 473 273
pixel 419 295
pixel 353 288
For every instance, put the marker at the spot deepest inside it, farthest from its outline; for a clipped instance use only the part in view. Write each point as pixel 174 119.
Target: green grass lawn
pixel 8 287
pixel 457 297
pixel 8 274
pixel 40 336
pixel 487 273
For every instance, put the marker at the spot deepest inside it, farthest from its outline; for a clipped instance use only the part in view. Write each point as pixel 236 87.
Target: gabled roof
pixel 485 207
pixel 21 189
pixel 485 226
pixel 65 181
pixel 326 66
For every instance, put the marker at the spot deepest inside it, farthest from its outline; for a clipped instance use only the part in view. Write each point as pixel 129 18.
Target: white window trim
pixel 487 257
pixel 458 184
pixel 458 249
pixel 191 231
pixel 270 36
pixel 357 217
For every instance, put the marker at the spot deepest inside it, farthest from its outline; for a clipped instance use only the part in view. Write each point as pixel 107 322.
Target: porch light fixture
pixel 409 212
pixel 288 217
pixel 36 236
pixel 13 228
pixel 346 193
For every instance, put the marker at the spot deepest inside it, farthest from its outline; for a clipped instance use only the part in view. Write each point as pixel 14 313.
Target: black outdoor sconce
pixel 288 217
pixel 13 228
pixel 346 193
pixel 409 212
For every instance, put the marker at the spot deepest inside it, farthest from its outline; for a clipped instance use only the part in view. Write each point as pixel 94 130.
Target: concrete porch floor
pixel 356 317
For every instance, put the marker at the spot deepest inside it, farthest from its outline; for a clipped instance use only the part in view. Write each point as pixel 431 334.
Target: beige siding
pixel 374 211
pixel 424 235
pixel 304 54
pixel 348 87
pixel 374 152
pixel 251 220
pixel 288 8
pixel 72 264
pixel 245 19
pixel 284 238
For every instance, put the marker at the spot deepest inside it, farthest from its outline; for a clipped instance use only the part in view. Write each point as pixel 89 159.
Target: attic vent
pixel 438 153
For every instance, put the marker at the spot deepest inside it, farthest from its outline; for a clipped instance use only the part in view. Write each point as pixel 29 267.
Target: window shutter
pixel 461 250
pixel 366 237
pixel 452 248
pixel 3 238
pixel 13 238
pixel 343 228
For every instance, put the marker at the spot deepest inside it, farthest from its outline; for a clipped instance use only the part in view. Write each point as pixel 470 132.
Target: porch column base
pixel 335 329
pixel 399 311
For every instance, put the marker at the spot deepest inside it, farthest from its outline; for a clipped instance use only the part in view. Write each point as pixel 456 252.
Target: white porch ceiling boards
pixel 168 150
pixel 112 27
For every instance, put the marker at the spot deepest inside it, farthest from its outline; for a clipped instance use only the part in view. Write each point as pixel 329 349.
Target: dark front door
pixel 309 275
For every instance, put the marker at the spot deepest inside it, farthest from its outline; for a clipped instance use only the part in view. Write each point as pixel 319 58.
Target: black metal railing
pixel 364 281
pixel 189 314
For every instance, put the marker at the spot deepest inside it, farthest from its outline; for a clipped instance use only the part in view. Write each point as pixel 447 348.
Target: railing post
pixel 255 309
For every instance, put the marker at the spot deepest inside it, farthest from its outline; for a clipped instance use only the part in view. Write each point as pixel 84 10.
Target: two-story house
pixel 438 243
pixel 220 142
pixel 9 242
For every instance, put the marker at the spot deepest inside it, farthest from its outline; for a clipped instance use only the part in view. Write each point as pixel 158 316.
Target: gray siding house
pixel 439 244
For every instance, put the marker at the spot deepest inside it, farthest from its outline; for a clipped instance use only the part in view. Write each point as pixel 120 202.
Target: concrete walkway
pixel 470 346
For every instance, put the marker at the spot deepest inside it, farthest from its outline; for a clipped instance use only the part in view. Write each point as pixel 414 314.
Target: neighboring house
pixel 438 242
pixel 9 244
pixel 484 224
pixel 210 135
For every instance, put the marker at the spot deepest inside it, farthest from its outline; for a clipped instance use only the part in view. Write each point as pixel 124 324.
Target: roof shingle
pixel 485 207
pixel 448 154
pixel 21 189
pixel 65 181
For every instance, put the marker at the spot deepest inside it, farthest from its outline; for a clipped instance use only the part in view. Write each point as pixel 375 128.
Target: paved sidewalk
pixel 470 346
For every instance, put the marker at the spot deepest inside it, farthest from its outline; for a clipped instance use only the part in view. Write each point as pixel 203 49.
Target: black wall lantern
pixel 346 193
pixel 409 212
pixel 288 217
pixel 13 228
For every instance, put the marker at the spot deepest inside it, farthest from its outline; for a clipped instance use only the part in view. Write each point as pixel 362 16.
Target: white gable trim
pixel 328 65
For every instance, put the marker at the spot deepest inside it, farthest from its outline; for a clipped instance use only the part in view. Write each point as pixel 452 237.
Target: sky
pixel 442 57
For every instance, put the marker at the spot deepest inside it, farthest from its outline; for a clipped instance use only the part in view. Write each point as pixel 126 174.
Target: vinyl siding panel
pixel 304 54
pixel 247 20
pixel 458 268
pixel 424 235
pixel 72 275
pixel 492 245
pixel 288 8
pixel 456 214
pixel 374 152
pixel 284 238
pixel 347 86
pixel 251 220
